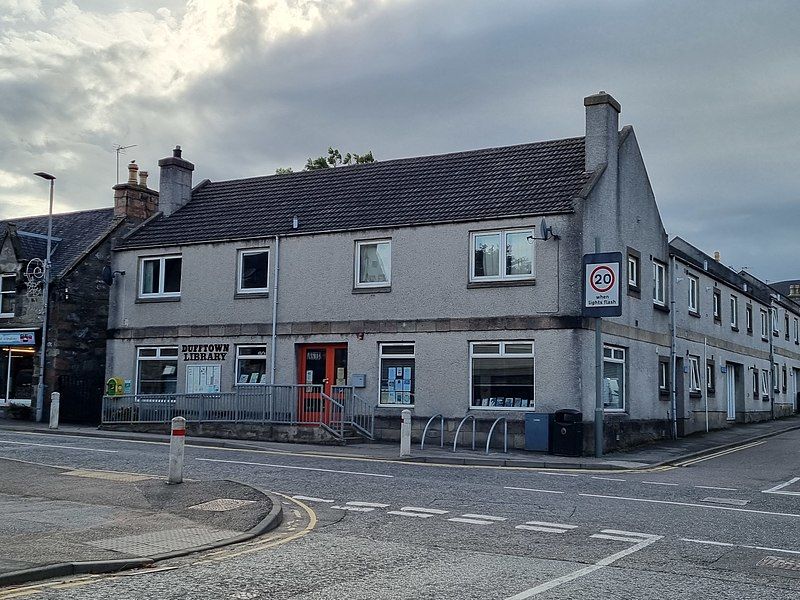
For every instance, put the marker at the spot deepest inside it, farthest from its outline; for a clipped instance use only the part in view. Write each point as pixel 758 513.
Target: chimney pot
pixel 143 178
pixel 717 256
pixel 177 152
pixel 132 169
pixel 794 291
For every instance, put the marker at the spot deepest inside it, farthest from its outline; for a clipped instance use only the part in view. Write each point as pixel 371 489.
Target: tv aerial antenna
pixel 121 150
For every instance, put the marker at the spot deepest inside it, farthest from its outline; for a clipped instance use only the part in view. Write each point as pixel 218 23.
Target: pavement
pixel 60 521
pixel 647 456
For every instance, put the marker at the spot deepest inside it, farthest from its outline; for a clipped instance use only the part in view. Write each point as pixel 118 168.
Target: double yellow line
pixel 694 461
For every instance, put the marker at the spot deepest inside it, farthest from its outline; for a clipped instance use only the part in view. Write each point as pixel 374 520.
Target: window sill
pixel 238 295
pixel 373 290
pixel 634 291
pixel 734 328
pixel 504 408
pixel 750 332
pixel 694 313
pixel 6 316
pixel 160 299
pixel 711 392
pixel 663 394
pixel 717 321
pixel 696 395
pixel 661 307
pixel 472 285
pixel 764 338
pixel 394 406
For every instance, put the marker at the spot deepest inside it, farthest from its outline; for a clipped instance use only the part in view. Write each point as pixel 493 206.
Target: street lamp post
pixel 45 300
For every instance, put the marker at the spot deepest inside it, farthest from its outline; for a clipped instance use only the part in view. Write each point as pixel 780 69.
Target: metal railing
pixel 505 434
pixel 262 404
pixel 425 431
pixel 458 430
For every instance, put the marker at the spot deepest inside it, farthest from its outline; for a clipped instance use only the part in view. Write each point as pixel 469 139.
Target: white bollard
pixel 177 439
pixel 405 433
pixel 55 407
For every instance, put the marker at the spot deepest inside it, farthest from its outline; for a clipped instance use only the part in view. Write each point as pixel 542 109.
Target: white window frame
pixel 504 249
pixel 748 317
pixel 501 354
pixel 764 324
pixel 710 377
pixel 776 330
pixel 238 356
pixel 776 377
pixel 240 265
pixel 796 331
pixel 158 356
pixel 624 362
pixel 663 376
pixel 12 292
pixel 717 305
pixel 381 356
pixel 734 302
pixel 357 265
pixel 633 271
pixel 695 383
pixel 161 275
pixel 765 375
pixel 659 284
pixel 694 287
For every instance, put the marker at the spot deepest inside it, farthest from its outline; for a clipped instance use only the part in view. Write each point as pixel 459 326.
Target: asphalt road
pixel 370 529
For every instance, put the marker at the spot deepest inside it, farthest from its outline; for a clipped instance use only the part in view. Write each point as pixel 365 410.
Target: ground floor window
pixel 502 374
pixel 16 375
pixel 397 374
pixel 694 374
pixel 765 383
pixel 663 376
pixel 613 391
pixel 157 370
pixel 251 364
pixel 711 377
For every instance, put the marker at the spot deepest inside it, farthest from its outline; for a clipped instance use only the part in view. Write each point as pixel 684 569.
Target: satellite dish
pixel 107 276
pixel 546 231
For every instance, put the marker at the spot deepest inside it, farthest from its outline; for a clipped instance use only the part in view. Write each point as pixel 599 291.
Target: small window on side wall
pixel 659 283
pixel 160 276
pixel 373 264
pixel 8 290
pixel 717 306
pixel 663 376
pixel 633 272
pixel 253 271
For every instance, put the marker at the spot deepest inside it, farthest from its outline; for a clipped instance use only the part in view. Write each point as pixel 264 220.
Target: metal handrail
pixel 458 430
pixel 334 425
pixel 505 434
pixel 425 431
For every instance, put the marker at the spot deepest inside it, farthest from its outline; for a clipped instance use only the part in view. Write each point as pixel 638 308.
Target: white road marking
pixel 368 504
pixel 616 538
pixel 532 490
pixel 734 501
pixel 244 462
pixel 711 487
pixel 562 474
pixel 604 562
pixel 432 511
pixel 408 514
pixel 693 505
pixel 657 483
pixel 312 499
pixel 777 489
pixel 542 529
pixel 471 521
pixel 556 525
pixel 354 508
pixel 710 543
pixel 609 478
pixel 485 517
pixel 634 534
pixel 59 446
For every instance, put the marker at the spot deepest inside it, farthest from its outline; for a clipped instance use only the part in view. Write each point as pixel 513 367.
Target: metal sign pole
pixel 598 377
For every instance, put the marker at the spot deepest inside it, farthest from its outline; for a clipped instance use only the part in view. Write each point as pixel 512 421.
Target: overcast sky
pixel 247 86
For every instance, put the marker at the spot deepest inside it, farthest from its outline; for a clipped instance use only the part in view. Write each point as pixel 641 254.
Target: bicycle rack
pixel 425 431
pixel 505 434
pixel 458 430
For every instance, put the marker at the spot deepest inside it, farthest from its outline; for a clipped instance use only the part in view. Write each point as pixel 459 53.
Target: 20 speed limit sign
pixel 601 285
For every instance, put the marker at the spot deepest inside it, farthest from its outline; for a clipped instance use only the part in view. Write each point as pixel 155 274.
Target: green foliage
pixel 283 170
pixel 334 159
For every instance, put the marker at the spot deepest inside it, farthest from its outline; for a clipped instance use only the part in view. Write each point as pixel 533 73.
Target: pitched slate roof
pixel 528 179
pixel 76 232
pixel 782 287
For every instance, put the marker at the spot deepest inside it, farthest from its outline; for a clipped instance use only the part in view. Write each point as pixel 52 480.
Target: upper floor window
pixel 160 277
pixel 8 292
pixel 764 325
pixel 253 271
pixel 502 255
pixel 659 283
pixel 748 317
pixel 373 264
pixel 734 312
pixel 796 331
pixel 786 326
pixel 717 306
pixel 693 300
pixel 775 327
pixel 633 271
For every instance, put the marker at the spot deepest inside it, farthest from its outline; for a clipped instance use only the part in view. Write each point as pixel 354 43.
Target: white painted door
pixel 731 393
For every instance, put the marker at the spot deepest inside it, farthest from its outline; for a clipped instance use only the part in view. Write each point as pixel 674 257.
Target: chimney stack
pixel 717 256
pixel 794 292
pixel 133 200
pixel 602 131
pixel 175 182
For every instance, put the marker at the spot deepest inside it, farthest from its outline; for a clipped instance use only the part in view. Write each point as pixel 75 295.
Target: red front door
pixel 319 364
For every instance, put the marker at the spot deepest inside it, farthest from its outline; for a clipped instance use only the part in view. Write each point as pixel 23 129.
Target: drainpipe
pixel 672 350
pixel 274 312
pixel 772 374
pixel 705 379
